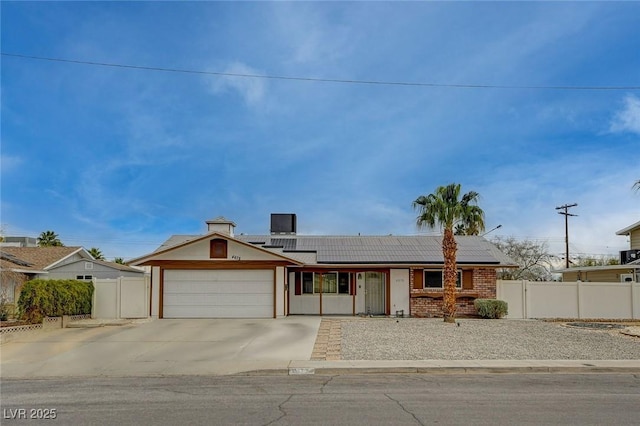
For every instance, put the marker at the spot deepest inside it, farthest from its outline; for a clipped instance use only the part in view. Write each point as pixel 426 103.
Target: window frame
pixel 310 283
pixel 459 283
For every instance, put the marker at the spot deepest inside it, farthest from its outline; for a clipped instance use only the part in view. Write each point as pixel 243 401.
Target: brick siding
pixel 424 306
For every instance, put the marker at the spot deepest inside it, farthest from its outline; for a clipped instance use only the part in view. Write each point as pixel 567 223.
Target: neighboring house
pixel 20 264
pixel 223 275
pixel 627 271
pixel 19 242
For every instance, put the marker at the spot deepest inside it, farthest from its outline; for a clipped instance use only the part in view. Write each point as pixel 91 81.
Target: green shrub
pixel 491 308
pixel 54 298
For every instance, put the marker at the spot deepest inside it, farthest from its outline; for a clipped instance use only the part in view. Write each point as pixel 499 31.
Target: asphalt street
pixel 376 399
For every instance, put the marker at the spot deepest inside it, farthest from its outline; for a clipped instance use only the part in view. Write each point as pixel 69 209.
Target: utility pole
pixel 566 214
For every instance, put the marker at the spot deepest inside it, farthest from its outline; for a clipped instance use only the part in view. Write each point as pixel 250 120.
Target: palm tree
pixel 636 185
pixel 96 253
pixel 119 260
pixel 445 208
pixel 49 239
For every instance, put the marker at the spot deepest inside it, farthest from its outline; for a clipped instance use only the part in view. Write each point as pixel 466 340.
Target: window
pixel 434 278
pixel 88 265
pixel 84 277
pixel 332 282
pixel 307 282
pixel 218 249
pixel 344 282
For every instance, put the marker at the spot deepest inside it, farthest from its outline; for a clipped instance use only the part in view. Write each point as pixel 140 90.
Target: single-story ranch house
pixel 21 264
pixel 224 275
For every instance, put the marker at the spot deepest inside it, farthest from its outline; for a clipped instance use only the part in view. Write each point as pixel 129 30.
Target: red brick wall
pixel 423 303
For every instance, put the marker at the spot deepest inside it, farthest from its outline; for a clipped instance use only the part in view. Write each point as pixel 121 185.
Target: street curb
pixel 336 371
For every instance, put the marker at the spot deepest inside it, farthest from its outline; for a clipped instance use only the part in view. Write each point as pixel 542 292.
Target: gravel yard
pixel 421 339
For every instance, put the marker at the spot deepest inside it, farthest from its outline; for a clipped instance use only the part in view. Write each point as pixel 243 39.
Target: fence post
pixel 634 314
pixel 578 285
pixel 93 297
pixel 525 300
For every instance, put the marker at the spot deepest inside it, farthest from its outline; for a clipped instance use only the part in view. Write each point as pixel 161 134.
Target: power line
pixel 320 80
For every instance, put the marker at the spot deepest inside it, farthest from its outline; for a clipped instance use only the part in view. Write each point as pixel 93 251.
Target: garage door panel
pixel 218 287
pixel 218 294
pixel 218 299
pixel 222 312
pixel 218 275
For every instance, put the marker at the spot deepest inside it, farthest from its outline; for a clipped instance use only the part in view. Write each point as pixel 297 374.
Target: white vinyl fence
pixel 584 300
pixel 124 297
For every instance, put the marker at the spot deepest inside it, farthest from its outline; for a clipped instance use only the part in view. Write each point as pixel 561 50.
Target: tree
pixel 636 185
pixel 533 259
pixel 602 260
pixel 49 239
pixel 96 253
pixel 119 260
pixel 461 229
pixel 447 209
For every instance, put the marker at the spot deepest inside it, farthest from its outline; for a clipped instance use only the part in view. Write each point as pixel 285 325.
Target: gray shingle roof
pixel 416 249
pixel 383 249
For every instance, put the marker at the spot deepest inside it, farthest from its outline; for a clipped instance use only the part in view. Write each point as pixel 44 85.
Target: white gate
pixel 124 297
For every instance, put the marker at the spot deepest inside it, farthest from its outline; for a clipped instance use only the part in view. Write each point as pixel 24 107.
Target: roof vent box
pixel 283 223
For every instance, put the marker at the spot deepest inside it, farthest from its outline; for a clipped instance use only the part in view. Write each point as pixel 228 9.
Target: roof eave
pixel 78 250
pixel 143 260
pixel 628 229
pixel 596 268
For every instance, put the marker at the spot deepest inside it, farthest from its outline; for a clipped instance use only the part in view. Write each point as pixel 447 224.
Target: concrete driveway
pixel 161 347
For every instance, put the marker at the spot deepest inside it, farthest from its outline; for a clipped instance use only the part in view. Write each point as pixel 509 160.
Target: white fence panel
pixel 606 300
pixel 513 293
pixel 552 300
pixel 124 297
pixel 587 300
pixel 134 297
pixel 105 299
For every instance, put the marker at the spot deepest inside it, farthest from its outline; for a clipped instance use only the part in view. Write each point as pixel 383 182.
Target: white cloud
pixel 10 162
pixel 252 90
pixel 628 118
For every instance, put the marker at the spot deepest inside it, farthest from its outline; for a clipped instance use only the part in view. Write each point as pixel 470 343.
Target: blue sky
pixel 120 158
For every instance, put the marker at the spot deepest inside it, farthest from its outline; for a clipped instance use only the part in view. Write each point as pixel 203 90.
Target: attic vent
pixel 283 223
pixel 88 265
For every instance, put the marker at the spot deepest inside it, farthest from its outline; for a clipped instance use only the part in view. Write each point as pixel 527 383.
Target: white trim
pixel 150 256
pixel 628 229
pixel 80 250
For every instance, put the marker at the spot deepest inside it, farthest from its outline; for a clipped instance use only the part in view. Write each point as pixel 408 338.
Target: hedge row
pixel 54 298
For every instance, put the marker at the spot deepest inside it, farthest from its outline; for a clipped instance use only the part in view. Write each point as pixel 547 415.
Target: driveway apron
pixel 161 347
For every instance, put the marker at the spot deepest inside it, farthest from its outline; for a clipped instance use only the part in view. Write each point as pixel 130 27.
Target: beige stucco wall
pixel 635 239
pixel 607 276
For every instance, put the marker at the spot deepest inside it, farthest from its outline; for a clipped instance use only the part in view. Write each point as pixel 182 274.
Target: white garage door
pixel 218 294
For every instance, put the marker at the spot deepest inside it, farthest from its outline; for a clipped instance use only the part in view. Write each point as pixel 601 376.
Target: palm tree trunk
pixel 449 249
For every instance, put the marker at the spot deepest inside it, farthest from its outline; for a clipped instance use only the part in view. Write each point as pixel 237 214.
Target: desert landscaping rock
pixel 471 339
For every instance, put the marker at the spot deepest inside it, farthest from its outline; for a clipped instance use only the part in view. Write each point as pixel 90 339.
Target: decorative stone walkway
pixel 329 341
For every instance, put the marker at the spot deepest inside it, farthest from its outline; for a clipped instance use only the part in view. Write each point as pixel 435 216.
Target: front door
pixel 374 293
